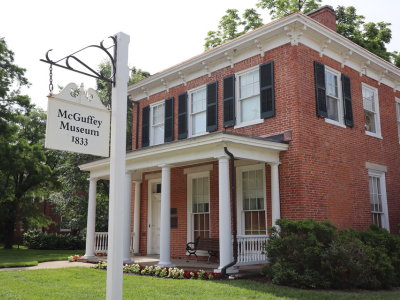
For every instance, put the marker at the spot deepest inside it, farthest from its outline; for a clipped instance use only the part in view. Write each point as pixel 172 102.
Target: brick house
pixel 309 116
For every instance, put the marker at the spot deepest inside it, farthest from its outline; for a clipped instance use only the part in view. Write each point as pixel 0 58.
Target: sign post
pixel 79 124
pixel 117 169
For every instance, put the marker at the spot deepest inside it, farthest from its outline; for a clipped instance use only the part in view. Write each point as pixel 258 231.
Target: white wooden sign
pixel 78 124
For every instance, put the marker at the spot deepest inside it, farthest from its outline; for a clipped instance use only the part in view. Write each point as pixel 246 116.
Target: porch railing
pixel 250 250
pixel 101 242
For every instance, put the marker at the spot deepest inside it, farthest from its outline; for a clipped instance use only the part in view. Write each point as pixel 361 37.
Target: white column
pixel 136 218
pixel 225 232
pixel 91 220
pixel 117 170
pixel 165 220
pixel 127 219
pixel 275 201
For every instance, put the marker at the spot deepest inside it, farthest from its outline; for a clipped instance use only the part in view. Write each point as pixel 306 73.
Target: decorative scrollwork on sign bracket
pixel 93 74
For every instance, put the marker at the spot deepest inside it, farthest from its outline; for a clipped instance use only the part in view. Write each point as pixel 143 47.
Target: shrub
pixel 53 241
pixel 314 254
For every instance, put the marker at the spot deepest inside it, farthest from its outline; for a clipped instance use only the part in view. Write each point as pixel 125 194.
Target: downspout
pixel 235 245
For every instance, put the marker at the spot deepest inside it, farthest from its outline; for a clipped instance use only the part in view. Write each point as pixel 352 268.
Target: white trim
pixel 239 194
pixel 151 131
pixel 381 175
pixel 338 74
pixel 149 213
pixel 378 133
pixel 189 106
pixel 249 123
pixel 152 176
pixel 198 169
pixel 375 167
pixel 189 233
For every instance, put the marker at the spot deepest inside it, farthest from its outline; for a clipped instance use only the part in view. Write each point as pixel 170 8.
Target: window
pixel 197 116
pixel 371 111
pixel 157 124
pixel 251 200
pixel 198 206
pixel 377 192
pixel 398 116
pixel 64 224
pixel 334 104
pixel 248 91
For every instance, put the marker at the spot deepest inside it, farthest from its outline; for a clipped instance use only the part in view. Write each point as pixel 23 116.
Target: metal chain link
pixel 51 79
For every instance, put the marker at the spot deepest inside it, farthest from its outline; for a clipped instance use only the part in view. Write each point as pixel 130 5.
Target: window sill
pixel 65 230
pixel 249 123
pixel 199 134
pixel 335 123
pixel 376 135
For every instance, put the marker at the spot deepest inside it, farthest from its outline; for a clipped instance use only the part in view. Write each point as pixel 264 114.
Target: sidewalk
pixel 50 265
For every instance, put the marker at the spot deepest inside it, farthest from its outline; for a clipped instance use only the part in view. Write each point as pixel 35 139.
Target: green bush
pixel 311 254
pixel 53 241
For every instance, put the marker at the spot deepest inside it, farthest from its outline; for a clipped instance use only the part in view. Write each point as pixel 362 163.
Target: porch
pixel 160 199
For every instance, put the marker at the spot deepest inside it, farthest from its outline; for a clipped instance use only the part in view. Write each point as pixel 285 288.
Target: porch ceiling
pixel 192 151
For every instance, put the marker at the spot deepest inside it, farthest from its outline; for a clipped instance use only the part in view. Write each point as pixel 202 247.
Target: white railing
pixel 101 242
pixel 250 250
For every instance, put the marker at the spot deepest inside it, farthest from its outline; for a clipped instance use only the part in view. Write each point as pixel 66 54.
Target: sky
pixel 162 33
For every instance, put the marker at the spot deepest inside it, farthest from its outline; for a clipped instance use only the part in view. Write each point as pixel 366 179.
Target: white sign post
pixel 78 123
pixel 117 170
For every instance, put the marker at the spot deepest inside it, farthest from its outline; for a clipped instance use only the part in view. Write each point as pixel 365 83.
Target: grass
pixel 84 283
pixel 29 257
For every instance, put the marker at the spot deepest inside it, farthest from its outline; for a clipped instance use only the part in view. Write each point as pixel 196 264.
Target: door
pixel 155 223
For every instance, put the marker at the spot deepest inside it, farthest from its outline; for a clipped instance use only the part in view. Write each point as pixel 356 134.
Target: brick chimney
pixel 325 15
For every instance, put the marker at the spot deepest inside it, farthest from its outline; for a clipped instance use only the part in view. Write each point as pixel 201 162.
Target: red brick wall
pixel 326 16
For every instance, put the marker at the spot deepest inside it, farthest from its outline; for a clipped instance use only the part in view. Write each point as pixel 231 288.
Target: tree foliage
pixel 231 26
pixel 281 8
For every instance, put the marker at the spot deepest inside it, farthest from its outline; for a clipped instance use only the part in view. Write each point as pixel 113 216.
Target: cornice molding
pixel 324 45
pixel 164 82
pixel 207 68
pixel 229 58
pixel 346 56
pixel 183 78
pixel 259 47
pixel 363 67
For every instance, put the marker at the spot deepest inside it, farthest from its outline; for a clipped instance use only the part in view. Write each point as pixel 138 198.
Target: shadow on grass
pixel 284 292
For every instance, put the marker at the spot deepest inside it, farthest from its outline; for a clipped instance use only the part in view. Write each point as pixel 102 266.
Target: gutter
pixel 235 245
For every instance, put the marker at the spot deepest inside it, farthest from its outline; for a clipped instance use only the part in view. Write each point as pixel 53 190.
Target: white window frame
pixel 381 176
pixel 63 229
pixel 239 123
pixel 190 225
pixel 239 195
pixel 397 101
pixel 378 133
pixel 21 228
pixel 151 131
pixel 189 110
pixel 339 123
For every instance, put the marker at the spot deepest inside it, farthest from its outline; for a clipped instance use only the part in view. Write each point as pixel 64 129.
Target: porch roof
pixel 193 151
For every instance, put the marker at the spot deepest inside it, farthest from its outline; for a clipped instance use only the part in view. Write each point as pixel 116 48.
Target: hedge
pixel 53 241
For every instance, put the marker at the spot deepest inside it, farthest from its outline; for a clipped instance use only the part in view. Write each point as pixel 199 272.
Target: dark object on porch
pixel 174 222
pixel 209 244
pixel 174 211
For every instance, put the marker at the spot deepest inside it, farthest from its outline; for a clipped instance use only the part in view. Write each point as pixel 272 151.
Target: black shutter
pixel 169 120
pixel 229 101
pixel 212 106
pixel 320 92
pixel 267 95
pixel 146 126
pixel 347 103
pixel 182 116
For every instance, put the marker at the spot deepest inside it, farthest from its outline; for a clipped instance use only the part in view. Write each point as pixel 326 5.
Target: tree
pixel 229 27
pixel 281 8
pixel 371 36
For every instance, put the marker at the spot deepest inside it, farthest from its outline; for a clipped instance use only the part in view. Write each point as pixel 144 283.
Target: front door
pixel 155 222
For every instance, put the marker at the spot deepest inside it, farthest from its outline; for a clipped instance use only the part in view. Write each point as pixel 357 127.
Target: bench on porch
pixel 208 244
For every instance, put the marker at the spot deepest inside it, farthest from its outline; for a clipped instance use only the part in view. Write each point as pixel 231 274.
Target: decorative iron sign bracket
pixel 94 74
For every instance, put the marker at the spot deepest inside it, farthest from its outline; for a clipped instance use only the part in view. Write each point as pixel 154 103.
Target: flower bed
pixel 100 254
pixel 74 258
pixel 174 273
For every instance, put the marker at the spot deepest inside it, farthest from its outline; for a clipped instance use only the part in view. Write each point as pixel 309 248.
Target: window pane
pixel 369 119
pixel 368 99
pixel 200 186
pixel 158 135
pixel 196 222
pixel 254 221
pixel 243 93
pixel 332 106
pixel 263 225
pixel 207 221
pixel 199 123
pixel 250 109
pixel 247 220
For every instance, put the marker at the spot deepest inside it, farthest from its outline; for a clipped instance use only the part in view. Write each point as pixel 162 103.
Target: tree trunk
pixel 9 233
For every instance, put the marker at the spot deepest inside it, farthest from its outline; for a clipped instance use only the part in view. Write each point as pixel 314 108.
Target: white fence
pixel 250 250
pixel 101 242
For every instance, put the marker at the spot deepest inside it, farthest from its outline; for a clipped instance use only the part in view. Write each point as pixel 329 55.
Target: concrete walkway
pixel 50 265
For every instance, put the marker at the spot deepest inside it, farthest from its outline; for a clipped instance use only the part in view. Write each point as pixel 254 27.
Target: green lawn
pixel 26 257
pixel 84 283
